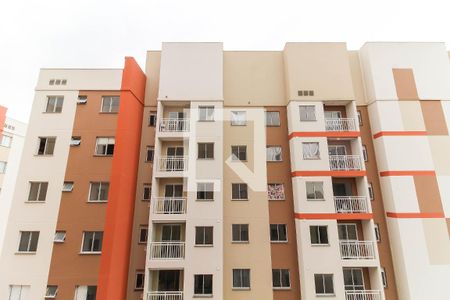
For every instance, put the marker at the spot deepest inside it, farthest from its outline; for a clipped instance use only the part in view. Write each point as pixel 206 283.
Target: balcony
pixel 172 163
pixel 345 163
pixel 169 205
pixel 340 124
pixel 167 250
pixel 351 204
pixel 357 250
pixel 172 295
pixel 173 125
pixel 363 295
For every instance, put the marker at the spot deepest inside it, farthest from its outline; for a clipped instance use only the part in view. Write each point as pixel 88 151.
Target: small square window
pixel 92 241
pixel 110 104
pixel 38 191
pixel 67 186
pixel 150 154
pixel 205 150
pixel 60 237
pixel 152 119
pixel 360 120
pixel 51 82
pixel 3 167
pixel 273 153
pixel 51 291
pixel 147 192
pixel 99 192
pixel 324 284
pixel 239 232
pixel 82 99
pixel 75 141
pixel 272 118
pixel 54 104
pixel 318 235
pixel 105 146
pixel 6 141
pixel 143 234
pixel 275 191
pixel 203 285
pixel 371 195
pixel 365 155
pixel 241 278
pixel 206 113
pixel 46 145
pixel 63 81
pixel 239 191
pixel 205 191
pixel 314 190
pixel 28 241
pixel 311 150
pixel 238 118
pixel 307 113
pixel 377 232
pixel 204 235
pixel 239 152
pixel 58 81
pixel 139 281
pixel 278 233
pixel 281 279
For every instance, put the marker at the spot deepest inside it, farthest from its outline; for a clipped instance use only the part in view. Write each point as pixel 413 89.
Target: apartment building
pixel 305 173
pixel 11 143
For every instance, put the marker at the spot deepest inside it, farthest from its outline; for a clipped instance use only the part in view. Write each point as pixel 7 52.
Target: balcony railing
pixel 363 295
pixel 357 249
pixel 172 163
pixel 169 205
pixel 351 204
pixel 166 250
pixel 173 125
pixel 345 162
pixel 340 124
pixel 165 295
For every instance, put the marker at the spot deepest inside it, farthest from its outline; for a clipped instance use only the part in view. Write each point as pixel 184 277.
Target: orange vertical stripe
pixel 114 262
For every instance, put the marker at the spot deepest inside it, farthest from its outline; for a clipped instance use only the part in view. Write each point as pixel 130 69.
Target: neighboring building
pixel 12 135
pixel 298 174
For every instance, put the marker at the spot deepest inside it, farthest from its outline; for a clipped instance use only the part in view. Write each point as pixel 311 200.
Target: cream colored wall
pixel 254 78
pixel 256 254
pixel 357 78
pixel 322 67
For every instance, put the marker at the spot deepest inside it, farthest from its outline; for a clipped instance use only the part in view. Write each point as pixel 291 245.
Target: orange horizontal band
pixel 325 134
pixel 415 215
pixel 408 173
pixel 329 173
pixel 333 216
pixel 399 133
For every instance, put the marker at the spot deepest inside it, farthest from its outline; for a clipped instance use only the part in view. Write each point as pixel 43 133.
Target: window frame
pixel 235 121
pixel 384 279
pixel 38 193
pixel 241 273
pixel 371 192
pixel 203 293
pixel 152 119
pixel 51 296
pixel 97 200
pixel 239 152
pixel 29 242
pixel 272 147
pixel 239 192
pixel 82 251
pixel 365 153
pixel 59 241
pixel 282 286
pixel 9 138
pixel 3 165
pixel 110 106
pixel 310 158
pixel 321 241
pixel 67 186
pixel 141 229
pixel 278 240
pixel 376 228
pixel 206 108
pixel 276 199
pixel 44 152
pixel 204 233
pixel 307 113
pixel 359 117
pixel 314 185
pixel 202 187
pixel 58 100
pixel 207 154
pixel 136 274
pixel 240 228
pixel 145 186
pixel 149 158
pixel 278 124
pixel 323 276
pixel 108 144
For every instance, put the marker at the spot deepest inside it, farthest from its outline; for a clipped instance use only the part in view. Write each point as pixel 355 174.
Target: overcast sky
pixel 99 33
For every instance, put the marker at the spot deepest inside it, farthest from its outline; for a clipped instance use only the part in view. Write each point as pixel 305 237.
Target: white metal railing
pixel 340 124
pixel 357 249
pixel 345 162
pixel 169 205
pixel 166 250
pixel 172 163
pixel 160 295
pixel 363 295
pixel 173 125
pixel 351 204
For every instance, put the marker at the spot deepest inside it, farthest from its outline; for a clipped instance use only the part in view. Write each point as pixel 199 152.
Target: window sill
pixel 325 295
pixel 281 288
pixel 274 161
pixel 138 290
pixel 58 242
pixel 208 158
pixel 273 125
pixel 314 199
pixel 204 200
pixel 202 296
pixel 25 252
pixel 108 112
pixel 37 201
pixel 311 158
pixel 101 155
pixel 204 246
pixel 206 121
pixel 241 289
pixel 43 155
pixel 91 253
pixel 284 199
pixel 240 242
pixel 320 245
pixel 239 199
pixel 278 242
pixel 97 201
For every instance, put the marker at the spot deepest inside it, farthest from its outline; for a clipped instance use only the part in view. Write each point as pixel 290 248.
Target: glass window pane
pixel 198 284
pixel 88 241
pixel 207 284
pixel 34 241
pixel 104 190
pixel 24 240
pixel 34 189
pixel 323 234
pixel 95 191
pixel 50 146
pixel 43 191
pixel 318 281
pixel 276 278
pixel 329 284
pixel 314 234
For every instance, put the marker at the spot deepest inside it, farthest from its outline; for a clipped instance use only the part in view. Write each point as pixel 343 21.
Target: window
pixel 272 118
pixel 92 241
pixel 28 241
pixel 51 291
pixel 241 278
pixel 239 191
pixel 206 113
pixel 278 233
pixel 365 155
pixel 337 150
pixel 239 152
pixel 273 153
pixel 143 234
pixel 371 191
pixel 139 280
pixel 205 191
pixel 60 237
pixel 150 154
pixel 2 167
pixel 314 190
pixel 333 114
pixel 82 99
pixel 281 279
pixel 311 150
pixel 67 186
pixel 324 284
pixel 203 284
pixel 319 235
pixel 205 150
pixel 54 104
pixel 239 232
pixel 353 279
pixel 377 232
pixel 152 119
pixel 275 191
pixel 105 146
pixel 110 104
pixel 204 235
pixel 6 141
pixel 84 292
pixel 99 191
pixel 307 113
pixel 238 118
pixel 384 277
pixel 360 120
pixel 38 191
pixel 347 232
pixel 46 145
pixel 147 192
pixel 19 292
pixel 75 141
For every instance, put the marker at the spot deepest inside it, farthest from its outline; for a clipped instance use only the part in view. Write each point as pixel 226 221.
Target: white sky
pixel 99 33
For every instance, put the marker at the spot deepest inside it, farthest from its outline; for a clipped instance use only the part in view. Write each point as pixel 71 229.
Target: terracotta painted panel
pixel 2 117
pixel 448 226
pixel 405 84
pixel 434 118
pixel 114 264
pixel 428 195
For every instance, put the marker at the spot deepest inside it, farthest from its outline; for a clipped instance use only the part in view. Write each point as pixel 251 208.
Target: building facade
pixel 298 174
